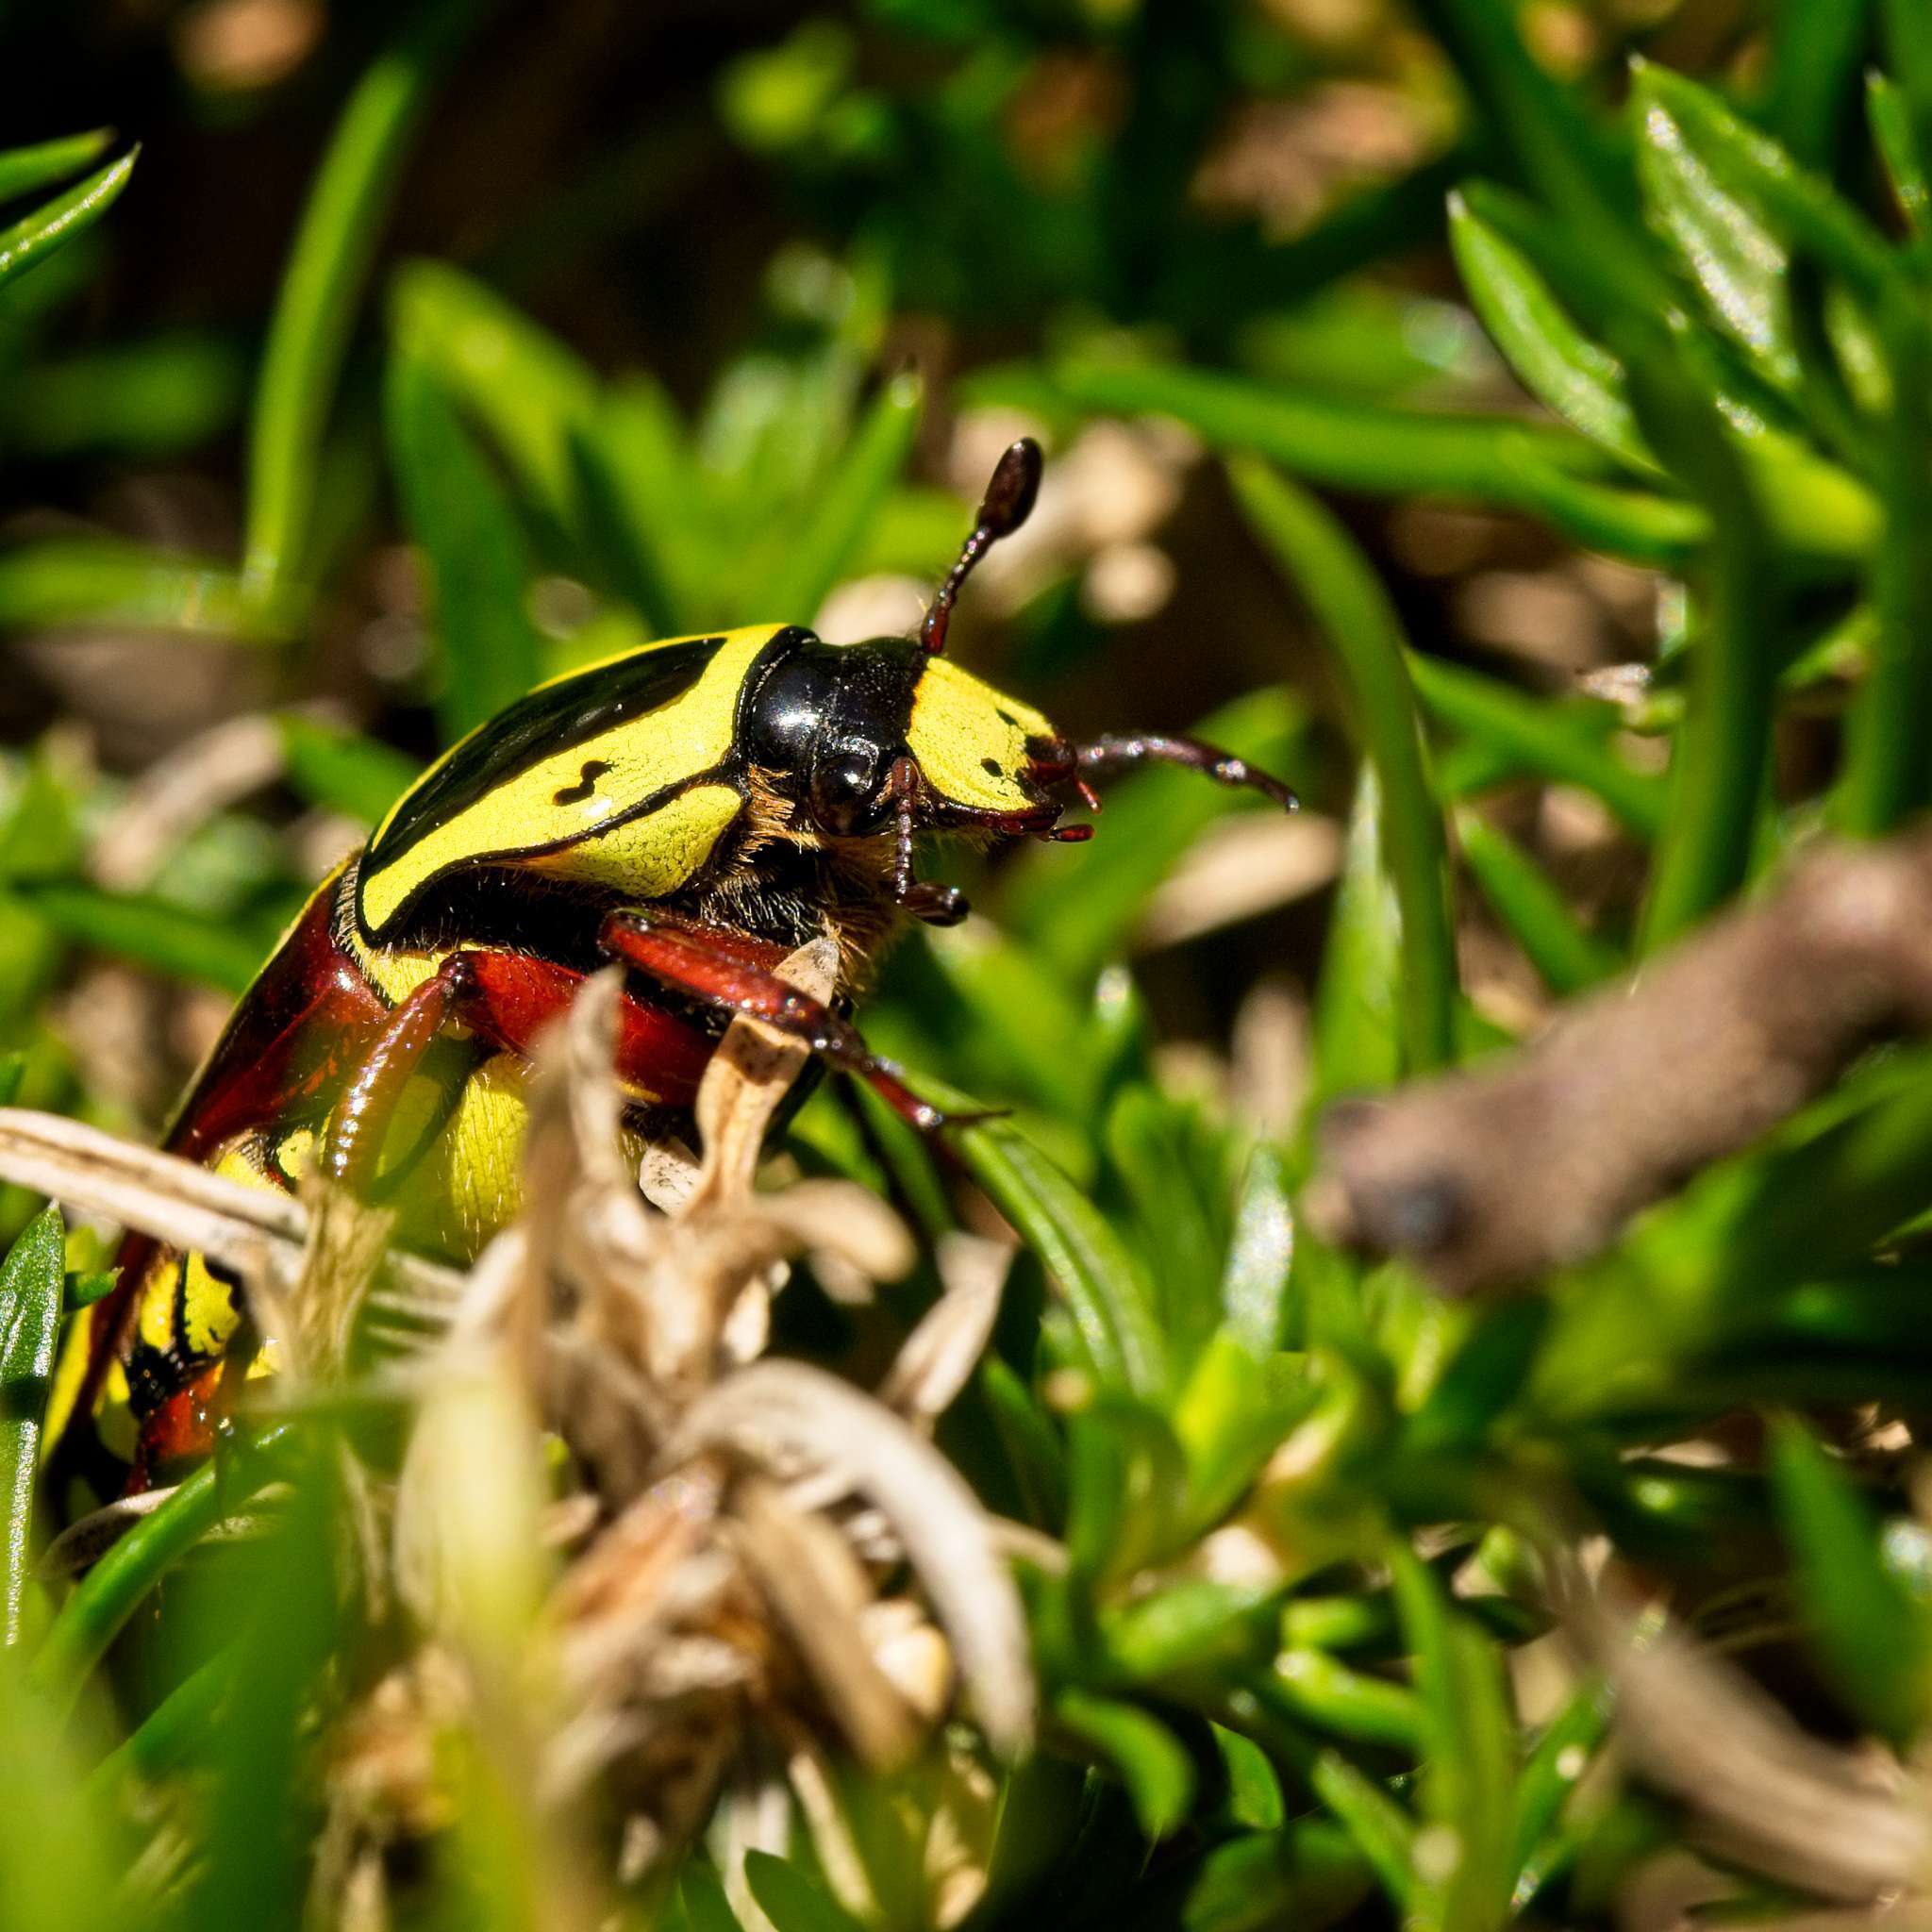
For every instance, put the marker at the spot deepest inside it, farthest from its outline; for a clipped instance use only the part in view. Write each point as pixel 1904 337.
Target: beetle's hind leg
pixel 679 956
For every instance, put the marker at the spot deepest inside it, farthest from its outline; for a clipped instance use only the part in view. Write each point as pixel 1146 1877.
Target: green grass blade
pixel 1720 759
pixel 847 502
pixel 1553 358
pixel 1357 1030
pixel 165 937
pixel 1075 1242
pixel 1559 150
pixel 1909 50
pixel 791 1901
pixel 1530 736
pixel 1354 612
pixel 1892 133
pixel 35 237
pixel 504 373
pixel 1887 771
pixel 1567 958
pixel 479 566
pixel 25 169
pixel 101 580
pixel 322 287
pixel 1157 1770
pixel 332 766
pixel 111 1593
pixel 1874 1636
pixel 1552 1773
pixel 1815 50
pixel 1380 1827
pixel 1539 469
pixel 31 1280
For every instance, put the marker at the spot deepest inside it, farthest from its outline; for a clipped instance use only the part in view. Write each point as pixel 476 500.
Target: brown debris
pixel 1496 1175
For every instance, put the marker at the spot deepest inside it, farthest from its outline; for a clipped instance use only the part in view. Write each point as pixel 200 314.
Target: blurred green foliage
pixel 1713 291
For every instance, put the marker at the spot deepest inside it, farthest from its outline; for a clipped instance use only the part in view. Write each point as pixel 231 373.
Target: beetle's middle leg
pixel 369 1101
pixel 680 956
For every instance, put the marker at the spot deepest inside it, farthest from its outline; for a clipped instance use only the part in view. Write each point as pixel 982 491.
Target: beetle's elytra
pixel 696 809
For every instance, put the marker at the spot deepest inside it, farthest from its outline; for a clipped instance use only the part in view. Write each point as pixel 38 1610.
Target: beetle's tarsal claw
pixel 1112 754
pixel 936 904
pixel 1008 503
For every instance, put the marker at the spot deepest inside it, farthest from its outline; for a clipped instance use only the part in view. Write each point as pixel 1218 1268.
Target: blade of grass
pixel 1380 1827
pixel 1158 1772
pixel 847 501
pixel 1561 1755
pixel 23 169
pixel 111 1593
pixel 35 237
pixel 332 766
pixel 1357 1030
pixel 165 937
pixel 1887 770
pixel 1534 468
pixel 31 1280
pixel 1497 716
pixel 101 580
pixel 1076 1243
pixel 1316 556
pixel 1890 115
pixel 1720 758
pixel 1908 52
pixel 1872 1633
pixel 1815 50
pixel 322 287
pixel 1537 915
pixel 1554 359
pixel 478 560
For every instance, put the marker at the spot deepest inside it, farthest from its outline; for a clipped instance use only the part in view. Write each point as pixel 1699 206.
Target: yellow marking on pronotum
pixel 563 800
pixel 959 725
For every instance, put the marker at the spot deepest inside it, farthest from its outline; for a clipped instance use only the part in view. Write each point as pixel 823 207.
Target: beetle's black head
pixel 860 736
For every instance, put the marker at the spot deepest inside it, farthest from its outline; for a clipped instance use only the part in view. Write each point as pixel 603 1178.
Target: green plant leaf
pixel 791 1900
pixel 1875 1639
pixel 31 1279
pixel 1888 735
pixel 1255 1277
pixel 1157 1770
pixel 1316 555
pixel 1567 958
pixel 23 169
pixel 1357 1039
pixel 1554 1769
pixel 845 504
pixel 155 933
pixel 479 564
pixel 1309 1877
pixel 1078 1244
pixel 1310 1685
pixel 109 1593
pixel 1897 141
pixel 1719 763
pixel 1816 46
pixel 101 580
pixel 30 240
pixel 530 393
pixel 1539 469
pixel 322 287
pixel 1380 1827
pixel 333 766
pixel 1554 359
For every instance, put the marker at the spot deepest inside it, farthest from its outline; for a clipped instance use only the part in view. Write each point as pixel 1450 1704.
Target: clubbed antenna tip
pixel 1008 503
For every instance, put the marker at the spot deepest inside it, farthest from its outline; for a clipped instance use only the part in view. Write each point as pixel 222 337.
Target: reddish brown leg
pixel 680 957
pixel 1105 755
pixel 369 1101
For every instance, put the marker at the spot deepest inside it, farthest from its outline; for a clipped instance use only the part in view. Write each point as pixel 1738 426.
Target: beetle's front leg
pixel 680 957
pixel 369 1101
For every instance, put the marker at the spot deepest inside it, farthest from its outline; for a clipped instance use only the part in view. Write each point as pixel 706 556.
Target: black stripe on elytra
pixel 540 724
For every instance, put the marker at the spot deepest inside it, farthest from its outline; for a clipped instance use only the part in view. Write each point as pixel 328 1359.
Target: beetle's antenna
pixel 1006 505
pixel 1105 755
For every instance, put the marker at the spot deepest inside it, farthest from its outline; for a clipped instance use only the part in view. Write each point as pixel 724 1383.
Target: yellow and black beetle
pixel 694 809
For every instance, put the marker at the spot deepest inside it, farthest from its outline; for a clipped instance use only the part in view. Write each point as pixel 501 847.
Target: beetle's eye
pixel 846 793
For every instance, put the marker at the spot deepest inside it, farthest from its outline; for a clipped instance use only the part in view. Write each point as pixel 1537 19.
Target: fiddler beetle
pixel 694 809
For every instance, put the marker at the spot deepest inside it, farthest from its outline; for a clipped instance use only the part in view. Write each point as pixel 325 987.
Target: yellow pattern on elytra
pixel 647 856
pixel 956 725
pixel 678 740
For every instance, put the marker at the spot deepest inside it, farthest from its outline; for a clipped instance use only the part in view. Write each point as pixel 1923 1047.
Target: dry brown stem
pixel 1497 1175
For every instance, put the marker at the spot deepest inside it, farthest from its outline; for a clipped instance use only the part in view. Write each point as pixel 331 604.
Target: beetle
pixel 695 810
